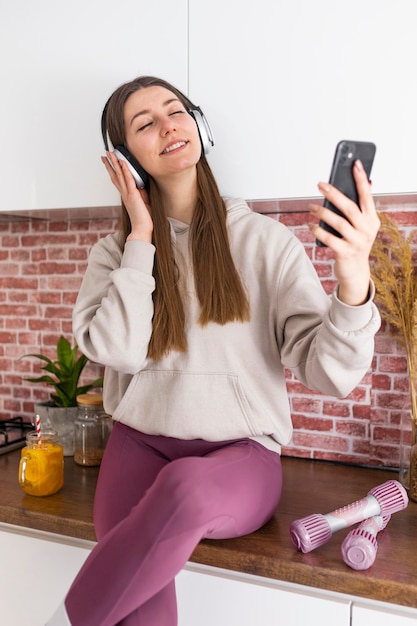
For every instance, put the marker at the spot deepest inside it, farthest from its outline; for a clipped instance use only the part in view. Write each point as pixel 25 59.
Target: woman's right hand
pixel 135 200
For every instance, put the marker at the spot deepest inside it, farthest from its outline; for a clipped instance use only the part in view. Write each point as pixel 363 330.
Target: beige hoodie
pixel 230 383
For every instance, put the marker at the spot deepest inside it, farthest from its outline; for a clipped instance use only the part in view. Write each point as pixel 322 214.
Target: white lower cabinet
pixel 37 568
pixel 36 571
pixel 371 616
pixel 218 598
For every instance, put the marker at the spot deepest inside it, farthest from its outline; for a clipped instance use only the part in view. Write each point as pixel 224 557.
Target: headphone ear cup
pixel 204 130
pixel 137 171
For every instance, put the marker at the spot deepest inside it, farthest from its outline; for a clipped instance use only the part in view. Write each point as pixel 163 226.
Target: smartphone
pixel 341 175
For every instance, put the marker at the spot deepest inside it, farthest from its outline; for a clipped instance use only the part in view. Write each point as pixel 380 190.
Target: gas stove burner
pixel 13 434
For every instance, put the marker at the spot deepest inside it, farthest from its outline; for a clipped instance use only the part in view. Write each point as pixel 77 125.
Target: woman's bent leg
pixel 128 469
pixel 160 610
pixel 125 475
pixel 230 491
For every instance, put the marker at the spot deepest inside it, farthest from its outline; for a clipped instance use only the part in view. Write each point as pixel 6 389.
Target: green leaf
pixel 66 370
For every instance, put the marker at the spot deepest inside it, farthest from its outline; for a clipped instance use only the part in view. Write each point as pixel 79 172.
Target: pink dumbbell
pixel 360 546
pixel 315 530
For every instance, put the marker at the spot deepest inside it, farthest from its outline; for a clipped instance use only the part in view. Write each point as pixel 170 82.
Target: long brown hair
pixel 218 285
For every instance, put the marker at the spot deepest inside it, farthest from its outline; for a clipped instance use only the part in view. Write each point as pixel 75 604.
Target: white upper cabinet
pixel 60 62
pixel 282 82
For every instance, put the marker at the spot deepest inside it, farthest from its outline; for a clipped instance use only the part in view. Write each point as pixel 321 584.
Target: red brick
pixel 392 364
pixel 57 312
pixel 295 219
pixel 385 455
pixel 50 268
pixel 7 337
pixel 69 298
pixel 306 405
pixel 384 400
pixel 386 435
pixel 88 239
pixel 56 227
pixel 312 423
pixel 38 255
pixel 323 271
pixel 71 282
pixel 342 458
pixel 361 446
pixel 49 297
pixel 361 411
pixel 353 429
pixel 10 242
pixel 401 383
pixel 17 296
pixel 321 442
pixel 20 255
pixel 15 282
pixel 57 254
pixel 300 453
pixel 79 254
pixel 337 409
pixel 329 286
pixel 296 388
pixel 34 241
pixel 381 381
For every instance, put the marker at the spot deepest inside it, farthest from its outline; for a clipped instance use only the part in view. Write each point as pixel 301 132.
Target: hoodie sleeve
pixel 327 344
pixel 112 317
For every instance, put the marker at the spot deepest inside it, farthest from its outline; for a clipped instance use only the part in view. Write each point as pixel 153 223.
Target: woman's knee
pixel 181 487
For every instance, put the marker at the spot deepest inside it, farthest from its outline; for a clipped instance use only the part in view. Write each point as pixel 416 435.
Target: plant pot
pixel 60 419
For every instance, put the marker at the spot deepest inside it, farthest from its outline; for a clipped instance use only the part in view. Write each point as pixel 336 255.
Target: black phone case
pixel 341 176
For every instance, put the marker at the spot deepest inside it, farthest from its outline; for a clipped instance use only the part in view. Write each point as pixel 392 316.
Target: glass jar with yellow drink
pixel 41 468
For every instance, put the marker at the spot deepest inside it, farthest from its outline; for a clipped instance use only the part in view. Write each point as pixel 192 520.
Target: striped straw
pixel 38 429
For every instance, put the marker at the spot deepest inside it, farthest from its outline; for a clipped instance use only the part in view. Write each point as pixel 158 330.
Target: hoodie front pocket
pixel 203 405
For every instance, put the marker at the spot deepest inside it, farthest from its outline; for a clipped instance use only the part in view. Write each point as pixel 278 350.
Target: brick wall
pixel 363 428
pixel 43 258
pixel 42 262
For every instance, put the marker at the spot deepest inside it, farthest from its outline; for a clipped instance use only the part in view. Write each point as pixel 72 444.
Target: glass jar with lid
pixel 92 428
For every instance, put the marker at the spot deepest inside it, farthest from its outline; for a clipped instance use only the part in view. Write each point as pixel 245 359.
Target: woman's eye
pixel 144 126
pixel 176 112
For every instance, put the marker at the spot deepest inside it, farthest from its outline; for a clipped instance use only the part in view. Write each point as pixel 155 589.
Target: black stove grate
pixel 13 433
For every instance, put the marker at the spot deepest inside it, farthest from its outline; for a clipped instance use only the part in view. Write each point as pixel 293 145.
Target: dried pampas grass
pixel 396 291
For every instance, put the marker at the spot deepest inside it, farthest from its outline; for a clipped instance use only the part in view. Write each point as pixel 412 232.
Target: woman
pixel 195 310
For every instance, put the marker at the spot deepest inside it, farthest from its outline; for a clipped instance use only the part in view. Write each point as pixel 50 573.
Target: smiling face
pixel 160 133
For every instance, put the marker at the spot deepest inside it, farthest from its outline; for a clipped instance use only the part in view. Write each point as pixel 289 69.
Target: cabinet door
pixel 207 598
pixel 36 570
pixel 369 616
pixel 60 62
pixel 283 82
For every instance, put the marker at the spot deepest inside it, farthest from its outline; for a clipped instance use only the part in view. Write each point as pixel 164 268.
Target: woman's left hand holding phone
pixel 135 200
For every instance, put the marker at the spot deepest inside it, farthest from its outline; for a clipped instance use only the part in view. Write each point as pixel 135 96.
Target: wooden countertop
pixel 309 487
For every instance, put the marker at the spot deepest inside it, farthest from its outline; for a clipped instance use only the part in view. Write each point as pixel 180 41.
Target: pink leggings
pixel 156 498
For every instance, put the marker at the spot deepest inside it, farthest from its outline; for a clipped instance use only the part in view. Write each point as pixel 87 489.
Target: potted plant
pixel 395 280
pixel 63 374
